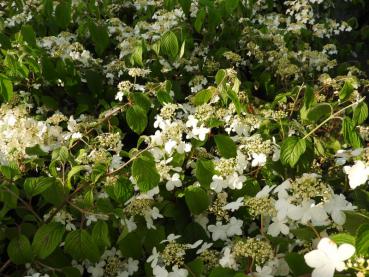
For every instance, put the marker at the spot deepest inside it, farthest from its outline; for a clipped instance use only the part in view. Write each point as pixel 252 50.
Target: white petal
pixel 345 251
pixel 324 271
pixel 315 258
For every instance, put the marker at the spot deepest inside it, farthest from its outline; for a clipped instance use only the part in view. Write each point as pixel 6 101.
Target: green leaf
pixel 169 44
pixel 309 97
pixel 74 171
pixel 196 267
pixel 362 240
pixel 204 171
pixel 297 264
pixel 291 150
pixel 132 244
pixel 63 14
pixel 200 18
pixel 343 238
pixel 346 91
pixel 36 185
pixel 141 100
pixel 354 220
pixel 136 119
pixel 80 245
pixel 99 36
pixel 47 238
pixel 137 55
pixel 220 76
pixel 121 190
pixel 35 150
pixel 145 173
pixel 197 199
pixel 28 35
pixel 231 5
pixel 360 113
pixel 100 234
pixel 321 110
pixel 203 96
pixel 19 250
pixel 222 272
pixel 6 89
pixel 236 101
pixel 226 146
pixel 349 133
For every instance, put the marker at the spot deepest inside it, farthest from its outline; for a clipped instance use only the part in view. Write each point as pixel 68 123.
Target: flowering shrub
pixel 176 138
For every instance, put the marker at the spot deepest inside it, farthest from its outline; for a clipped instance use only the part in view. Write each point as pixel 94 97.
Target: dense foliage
pixel 176 138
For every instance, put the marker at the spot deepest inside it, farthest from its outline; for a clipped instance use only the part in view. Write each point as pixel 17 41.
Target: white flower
pixel 234 227
pixel 278 226
pixel 234 206
pixel 194 245
pixel 201 132
pixel 97 270
pixel 336 205
pixel 178 272
pixel 228 259
pixel 258 159
pixel 219 231
pixel 171 237
pixel 265 271
pixel 159 271
pixel 170 145
pixel 308 211
pixel 174 182
pixel 218 183
pixel 129 223
pixel 119 96
pixel 204 247
pixel 153 259
pixel 357 174
pixel 328 257
pixel 235 182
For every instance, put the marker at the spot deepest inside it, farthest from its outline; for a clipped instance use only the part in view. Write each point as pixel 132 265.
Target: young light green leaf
pixel 169 44
pixel 346 91
pixel 321 110
pixel 360 113
pixel 291 150
pixel 362 240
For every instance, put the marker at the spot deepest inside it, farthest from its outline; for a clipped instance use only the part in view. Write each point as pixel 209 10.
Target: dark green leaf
pixel 100 234
pixel 297 264
pixel 226 146
pixel 28 35
pixel 204 171
pixel 63 14
pixel 197 199
pixel 145 173
pixel 19 250
pixel 36 185
pixel 136 119
pixel 80 245
pixel 47 238
pixel 200 18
